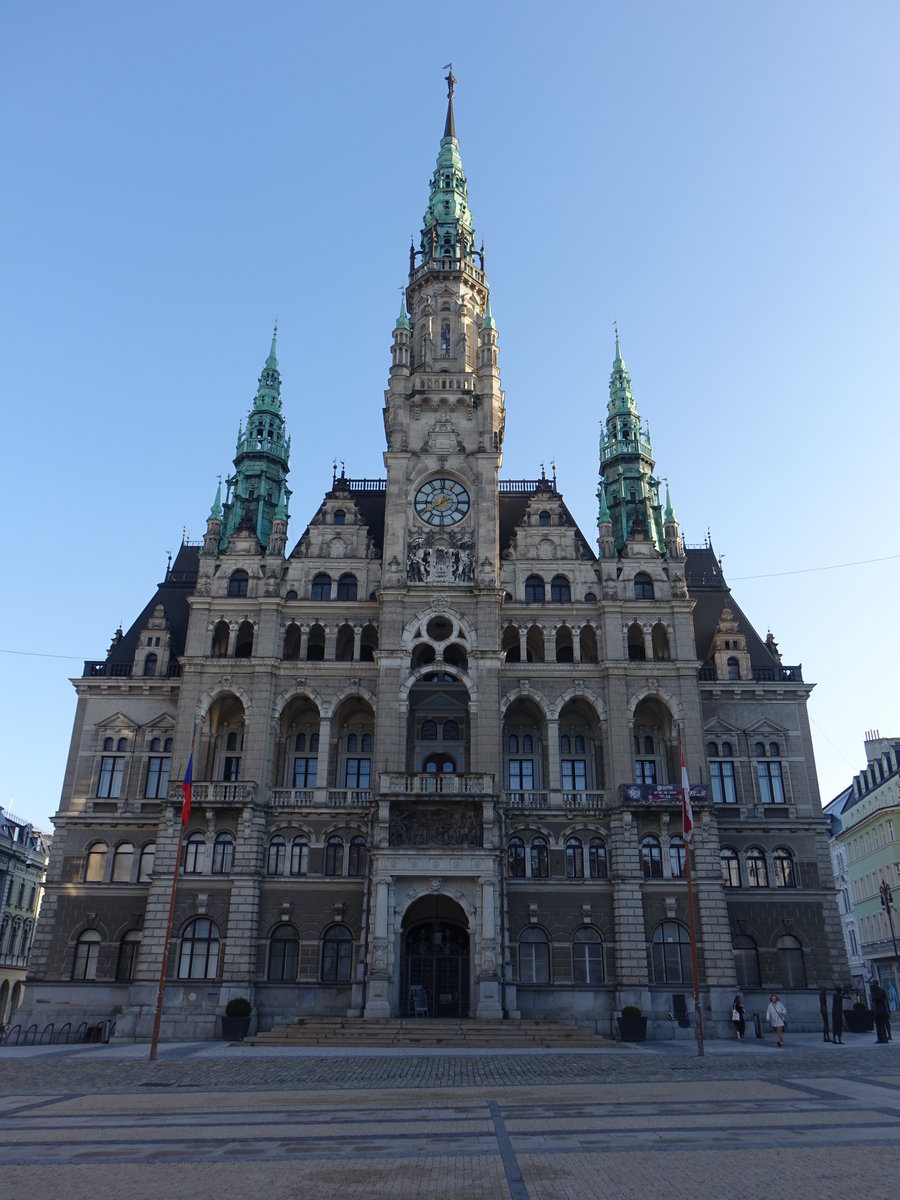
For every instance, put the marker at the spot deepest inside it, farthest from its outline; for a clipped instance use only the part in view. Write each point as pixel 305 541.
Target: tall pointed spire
pixel 449 124
pixel 448 233
pixel 629 487
pixel 261 459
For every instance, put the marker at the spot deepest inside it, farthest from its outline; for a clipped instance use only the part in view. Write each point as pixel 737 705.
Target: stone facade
pixel 23 861
pixel 436 746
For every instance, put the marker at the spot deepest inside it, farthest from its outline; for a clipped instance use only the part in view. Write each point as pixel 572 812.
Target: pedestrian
pixel 823 1009
pixel 881 1011
pixel 738 1017
pixel 837 1016
pixel 776 1015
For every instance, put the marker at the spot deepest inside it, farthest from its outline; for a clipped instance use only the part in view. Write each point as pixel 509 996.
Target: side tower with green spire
pixel 629 491
pixel 261 462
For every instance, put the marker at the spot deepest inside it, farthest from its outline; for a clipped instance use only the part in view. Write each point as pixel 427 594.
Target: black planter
pixel 859 1020
pixel 632 1029
pixel 234 1029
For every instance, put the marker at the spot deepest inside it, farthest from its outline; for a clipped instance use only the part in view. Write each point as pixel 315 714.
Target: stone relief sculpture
pixel 439 558
pixel 435 826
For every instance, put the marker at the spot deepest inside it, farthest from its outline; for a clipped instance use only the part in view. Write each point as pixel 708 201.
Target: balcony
pixel 293 798
pixel 559 801
pixel 760 675
pixel 434 784
pixel 219 795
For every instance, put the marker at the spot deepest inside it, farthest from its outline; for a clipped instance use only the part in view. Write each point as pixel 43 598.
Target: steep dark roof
pixel 707 587
pixel 172 594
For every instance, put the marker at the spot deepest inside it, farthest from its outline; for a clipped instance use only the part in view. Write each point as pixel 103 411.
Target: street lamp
pixel 887 903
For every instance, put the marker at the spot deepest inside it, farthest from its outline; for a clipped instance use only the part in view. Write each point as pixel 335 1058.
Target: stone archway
pixel 435 959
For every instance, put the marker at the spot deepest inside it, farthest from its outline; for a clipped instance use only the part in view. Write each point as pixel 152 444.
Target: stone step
pixel 425 1032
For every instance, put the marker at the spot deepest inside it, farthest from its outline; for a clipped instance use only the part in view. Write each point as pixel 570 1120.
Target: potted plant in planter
pixel 632 1026
pixel 236 1021
pixel 859 1019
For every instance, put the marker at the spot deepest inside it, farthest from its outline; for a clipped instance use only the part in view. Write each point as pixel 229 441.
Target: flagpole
pixel 687 828
pixel 698 1014
pixel 186 789
pixel 154 1043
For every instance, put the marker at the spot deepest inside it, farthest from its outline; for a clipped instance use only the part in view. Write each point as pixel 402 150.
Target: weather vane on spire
pixel 451 79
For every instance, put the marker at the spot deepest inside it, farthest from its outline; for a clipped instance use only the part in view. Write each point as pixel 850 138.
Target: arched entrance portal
pixel 435 959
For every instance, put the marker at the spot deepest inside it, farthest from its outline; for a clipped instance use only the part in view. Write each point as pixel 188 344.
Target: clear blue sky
pixel 721 179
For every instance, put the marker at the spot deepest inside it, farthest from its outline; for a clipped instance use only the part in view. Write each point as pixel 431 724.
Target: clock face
pixel 442 502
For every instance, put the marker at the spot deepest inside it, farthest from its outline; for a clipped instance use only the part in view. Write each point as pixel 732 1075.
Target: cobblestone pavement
pixel 209 1121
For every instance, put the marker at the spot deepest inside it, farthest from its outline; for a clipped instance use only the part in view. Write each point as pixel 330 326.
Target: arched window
pixel 291 649
pixel 515 858
pixel 643 587
pixel 87 955
pixel 746 962
pixel 534 956
pixel 588 641
pixel 198 955
pixel 243 643
pixel 123 857
pixel 783 863
pixel 450 731
pixel 540 858
pixel 659 641
pixel 337 955
pixel 220 637
pixel 284 954
pixel 291 595
pixel 275 856
pixel 543 518
pixel 587 956
pixel 344 643
pixel 534 590
pixel 150 664
pixel 757 872
pixel 194 854
pixel 237 584
pixel 346 588
pixel 299 856
pixel 340 516
pixel 671 951
pixel 315 644
pixel 223 854
pixel 574 858
pixel 677 853
pixel 597 859
pixel 95 863
pixel 534 644
pixel 565 647
pixel 146 862
pixel 637 650
pixel 356 856
pixel 429 731
pixel 733 668
pixel 334 856
pixel 560 591
pixel 128 952
pixel 791 967
pixel 321 586
pixel 368 643
pixel 651 858
pixel 731 869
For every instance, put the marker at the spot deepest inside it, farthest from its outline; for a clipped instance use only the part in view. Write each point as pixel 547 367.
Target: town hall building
pixel 437 738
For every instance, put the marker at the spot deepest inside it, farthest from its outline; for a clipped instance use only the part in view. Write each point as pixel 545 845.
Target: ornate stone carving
pixel 433 825
pixel 444 557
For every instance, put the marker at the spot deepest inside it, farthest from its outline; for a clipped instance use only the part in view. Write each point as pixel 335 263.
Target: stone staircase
pixel 425 1032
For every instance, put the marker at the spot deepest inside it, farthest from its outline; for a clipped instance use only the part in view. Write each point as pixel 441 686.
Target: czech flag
pixel 687 813
pixel 186 788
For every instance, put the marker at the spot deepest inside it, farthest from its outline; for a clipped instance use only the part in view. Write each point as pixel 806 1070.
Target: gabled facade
pixel 23 861
pixel 436 744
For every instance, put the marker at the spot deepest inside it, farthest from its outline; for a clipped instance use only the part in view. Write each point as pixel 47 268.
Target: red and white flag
pixel 687 813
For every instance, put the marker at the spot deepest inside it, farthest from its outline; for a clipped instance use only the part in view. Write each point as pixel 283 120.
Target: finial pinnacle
pixel 451 80
pixel 449 126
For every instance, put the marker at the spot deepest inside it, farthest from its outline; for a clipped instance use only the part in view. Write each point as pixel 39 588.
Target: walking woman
pixel 837 1016
pixel 823 1008
pixel 738 1018
pixel 776 1015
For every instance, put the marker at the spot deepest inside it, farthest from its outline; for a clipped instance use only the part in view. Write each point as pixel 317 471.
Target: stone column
pixel 488 1005
pixel 554 783
pixel 377 999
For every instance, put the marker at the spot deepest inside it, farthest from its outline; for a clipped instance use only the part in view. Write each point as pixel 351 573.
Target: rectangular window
pixel 358 773
pixel 112 768
pixel 157 778
pixel 645 771
pixel 305 772
pixel 231 770
pixel 574 774
pixel 771 789
pixel 722 776
pixel 521 774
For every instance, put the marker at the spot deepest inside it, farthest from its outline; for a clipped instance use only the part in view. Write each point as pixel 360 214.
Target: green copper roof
pixel 448 229
pixel 215 513
pixel 670 512
pixel 402 319
pixel 604 507
pixel 488 322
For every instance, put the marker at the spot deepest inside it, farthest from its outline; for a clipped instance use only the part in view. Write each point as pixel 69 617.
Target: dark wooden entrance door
pixel 436 958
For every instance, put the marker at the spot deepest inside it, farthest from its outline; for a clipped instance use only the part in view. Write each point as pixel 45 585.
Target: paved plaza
pixel 210 1121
